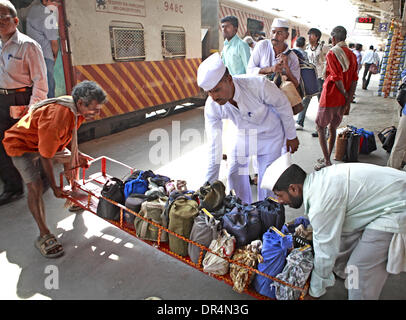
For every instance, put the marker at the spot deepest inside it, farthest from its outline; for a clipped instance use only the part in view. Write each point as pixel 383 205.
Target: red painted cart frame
pixel 91 193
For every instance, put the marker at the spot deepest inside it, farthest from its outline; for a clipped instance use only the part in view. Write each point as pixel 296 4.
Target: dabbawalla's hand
pixel 292 145
pixel 84 160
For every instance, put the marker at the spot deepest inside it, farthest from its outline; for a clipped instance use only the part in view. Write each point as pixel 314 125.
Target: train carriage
pixel 144 54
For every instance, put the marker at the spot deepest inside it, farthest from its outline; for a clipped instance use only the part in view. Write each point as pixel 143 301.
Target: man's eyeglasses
pixel 5 17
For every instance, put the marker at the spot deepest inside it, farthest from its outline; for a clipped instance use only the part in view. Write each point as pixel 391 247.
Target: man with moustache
pixel 40 138
pixel 262 115
pixel 358 215
pixel 273 56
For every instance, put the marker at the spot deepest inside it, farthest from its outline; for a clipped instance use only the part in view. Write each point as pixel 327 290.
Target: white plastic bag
pixel 224 246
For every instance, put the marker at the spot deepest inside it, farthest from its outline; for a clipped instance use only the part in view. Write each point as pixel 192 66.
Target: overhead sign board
pixel 127 7
pixel 383 27
pixel 364 23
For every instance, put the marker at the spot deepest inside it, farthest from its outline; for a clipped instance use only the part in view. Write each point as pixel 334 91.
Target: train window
pixel 173 42
pixel 254 26
pixel 127 42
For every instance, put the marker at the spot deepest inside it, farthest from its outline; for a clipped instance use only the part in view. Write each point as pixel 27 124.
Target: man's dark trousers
pixel 365 79
pixel 8 173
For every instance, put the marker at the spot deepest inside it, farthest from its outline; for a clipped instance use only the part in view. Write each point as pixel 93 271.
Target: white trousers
pixel 362 262
pixel 398 153
pixel 238 179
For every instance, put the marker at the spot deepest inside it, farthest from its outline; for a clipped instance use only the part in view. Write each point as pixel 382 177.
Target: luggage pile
pixel 248 246
pixel 351 142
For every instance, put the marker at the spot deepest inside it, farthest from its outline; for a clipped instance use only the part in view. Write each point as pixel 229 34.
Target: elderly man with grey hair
pixel 40 138
pixel 338 90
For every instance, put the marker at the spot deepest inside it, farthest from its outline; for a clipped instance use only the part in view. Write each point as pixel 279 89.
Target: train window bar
pixel 127 43
pixel 173 42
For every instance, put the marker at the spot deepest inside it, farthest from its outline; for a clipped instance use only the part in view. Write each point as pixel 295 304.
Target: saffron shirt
pixel 330 95
pixel 47 131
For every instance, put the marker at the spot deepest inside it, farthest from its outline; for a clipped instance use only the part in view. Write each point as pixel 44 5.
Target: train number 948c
pixel 174 7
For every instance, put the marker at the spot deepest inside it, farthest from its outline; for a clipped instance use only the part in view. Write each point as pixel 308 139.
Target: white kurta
pixel 264 121
pixel 264 56
pixel 349 198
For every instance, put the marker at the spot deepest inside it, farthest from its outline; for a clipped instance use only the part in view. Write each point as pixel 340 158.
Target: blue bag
pixel 308 74
pixel 290 227
pixel 138 185
pixel 271 213
pixel 309 83
pixel 368 143
pixel 244 223
pixel 274 251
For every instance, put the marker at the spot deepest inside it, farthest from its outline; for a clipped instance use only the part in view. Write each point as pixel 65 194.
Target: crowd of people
pixel 357 211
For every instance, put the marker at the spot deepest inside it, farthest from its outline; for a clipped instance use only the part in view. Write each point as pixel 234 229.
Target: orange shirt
pixel 48 131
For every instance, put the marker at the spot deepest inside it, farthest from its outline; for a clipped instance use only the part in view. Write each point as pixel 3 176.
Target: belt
pixel 6 92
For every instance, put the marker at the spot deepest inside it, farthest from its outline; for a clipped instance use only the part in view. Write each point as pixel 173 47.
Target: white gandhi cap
pixel 280 23
pixel 275 170
pixel 210 72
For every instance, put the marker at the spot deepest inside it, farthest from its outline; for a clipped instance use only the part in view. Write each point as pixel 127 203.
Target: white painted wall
pixel 89 30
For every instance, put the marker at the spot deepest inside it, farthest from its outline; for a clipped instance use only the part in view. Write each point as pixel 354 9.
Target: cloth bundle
pixel 299 265
pixel 224 246
pixel 249 255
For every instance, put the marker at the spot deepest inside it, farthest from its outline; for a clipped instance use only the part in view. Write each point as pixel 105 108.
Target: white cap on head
pixel 275 170
pixel 280 23
pixel 210 72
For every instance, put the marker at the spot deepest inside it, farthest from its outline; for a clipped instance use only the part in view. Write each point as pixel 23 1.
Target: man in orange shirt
pixel 39 138
pixel 338 89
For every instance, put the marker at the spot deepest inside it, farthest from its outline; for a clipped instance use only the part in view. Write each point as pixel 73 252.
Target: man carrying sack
pixel 39 138
pixel 262 115
pixel 358 215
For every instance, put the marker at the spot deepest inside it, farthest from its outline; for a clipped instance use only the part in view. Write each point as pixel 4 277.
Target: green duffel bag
pixel 152 210
pixel 181 217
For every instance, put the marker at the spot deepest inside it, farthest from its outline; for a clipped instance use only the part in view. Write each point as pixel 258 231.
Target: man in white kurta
pixel 273 55
pixel 358 215
pixel 263 117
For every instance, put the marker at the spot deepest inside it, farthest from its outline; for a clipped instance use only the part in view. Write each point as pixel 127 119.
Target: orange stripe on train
pixel 137 85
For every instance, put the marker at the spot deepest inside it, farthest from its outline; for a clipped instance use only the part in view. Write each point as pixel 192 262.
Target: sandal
pixel 75 208
pixel 48 244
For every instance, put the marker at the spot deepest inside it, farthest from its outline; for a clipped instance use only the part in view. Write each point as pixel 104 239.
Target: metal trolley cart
pixel 88 199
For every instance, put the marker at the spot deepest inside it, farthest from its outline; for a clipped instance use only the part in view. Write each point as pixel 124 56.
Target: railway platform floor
pixel 103 262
